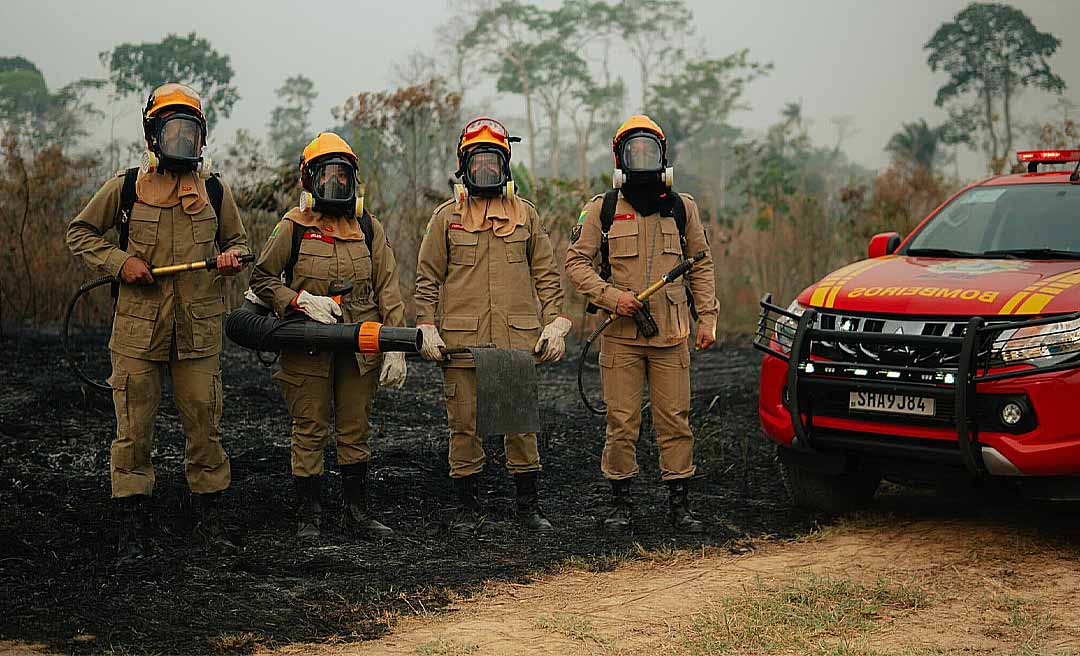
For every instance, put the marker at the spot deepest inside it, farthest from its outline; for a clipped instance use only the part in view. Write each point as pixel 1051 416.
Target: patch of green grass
pixel 572 626
pixel 1026 622
pixel 809 614
pixel 447 648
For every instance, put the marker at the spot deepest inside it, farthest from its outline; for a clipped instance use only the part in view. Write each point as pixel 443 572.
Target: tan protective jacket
pixel 641 249
pixel 371 268
pixel 185 307
pixel 482 289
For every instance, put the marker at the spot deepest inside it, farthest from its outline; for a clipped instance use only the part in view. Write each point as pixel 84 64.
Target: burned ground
pixel 59 584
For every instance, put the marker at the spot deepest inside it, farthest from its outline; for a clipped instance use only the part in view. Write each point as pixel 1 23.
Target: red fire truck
pixel 954 351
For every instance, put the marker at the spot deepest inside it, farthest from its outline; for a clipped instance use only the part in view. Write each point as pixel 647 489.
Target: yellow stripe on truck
pixel 1035 304
pixel 1012 303
pixel 818 299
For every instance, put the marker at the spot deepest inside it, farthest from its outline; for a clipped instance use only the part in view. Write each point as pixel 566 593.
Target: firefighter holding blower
pixel 330 260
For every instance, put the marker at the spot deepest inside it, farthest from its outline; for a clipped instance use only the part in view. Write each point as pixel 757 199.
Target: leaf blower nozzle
pixel 252 326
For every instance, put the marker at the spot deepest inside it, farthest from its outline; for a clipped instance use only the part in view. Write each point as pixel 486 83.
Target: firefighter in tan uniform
pixel 486 275
pixel 644 242
pixel 332 250
pixel 172 325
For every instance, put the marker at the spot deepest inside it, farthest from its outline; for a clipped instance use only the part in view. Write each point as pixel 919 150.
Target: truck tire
pixel 829 493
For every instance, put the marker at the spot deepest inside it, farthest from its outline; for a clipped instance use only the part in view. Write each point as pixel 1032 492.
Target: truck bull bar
pixel 977 355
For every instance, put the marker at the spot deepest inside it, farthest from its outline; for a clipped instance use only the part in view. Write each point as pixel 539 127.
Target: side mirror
pixel 883 243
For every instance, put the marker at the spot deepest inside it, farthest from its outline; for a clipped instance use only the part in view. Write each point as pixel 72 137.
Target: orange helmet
pixel 327 143
pixel 328 176
pixel 173 95
pixel 488 146
pixel 636 123
pixel 640 151
pixel 181 144
pixel 483 130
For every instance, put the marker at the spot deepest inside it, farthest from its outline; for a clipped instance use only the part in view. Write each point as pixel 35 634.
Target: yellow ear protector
pixel 307 202
pixel 461 193
pixel 618 178
pixel 150 163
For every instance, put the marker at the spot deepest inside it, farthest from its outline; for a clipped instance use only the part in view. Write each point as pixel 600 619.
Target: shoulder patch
pixel 575 233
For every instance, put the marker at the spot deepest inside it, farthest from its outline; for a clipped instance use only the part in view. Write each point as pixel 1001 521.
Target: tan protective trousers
pixel 136 396
pixel 624 368
pixel 311 399
pixel 466 447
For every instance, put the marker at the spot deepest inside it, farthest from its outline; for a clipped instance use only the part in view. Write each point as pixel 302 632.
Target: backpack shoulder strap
pixel 367 228
pixel 294 253
pixel 216 192
pixel 122 220
pixel 679 210
pixel 607 217
pixel 127 202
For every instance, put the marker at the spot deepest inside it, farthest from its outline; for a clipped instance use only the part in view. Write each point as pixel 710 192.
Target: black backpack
pixel 298 237
pixel 128 197
pixel 674 208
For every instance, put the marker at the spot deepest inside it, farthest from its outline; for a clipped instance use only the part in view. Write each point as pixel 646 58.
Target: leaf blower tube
pixel 252 326
pixel 209 263
pixel 644 320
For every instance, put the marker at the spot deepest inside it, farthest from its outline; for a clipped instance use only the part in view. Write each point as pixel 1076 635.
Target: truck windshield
pixel 1032 221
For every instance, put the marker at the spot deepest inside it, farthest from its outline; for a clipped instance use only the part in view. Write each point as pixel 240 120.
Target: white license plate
pixel 892 403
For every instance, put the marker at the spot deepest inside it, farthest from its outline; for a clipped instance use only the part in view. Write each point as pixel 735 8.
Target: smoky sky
pixel 862 59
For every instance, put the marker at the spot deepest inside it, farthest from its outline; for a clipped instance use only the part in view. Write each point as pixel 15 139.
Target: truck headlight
pixel 786 326
pixel 1041 346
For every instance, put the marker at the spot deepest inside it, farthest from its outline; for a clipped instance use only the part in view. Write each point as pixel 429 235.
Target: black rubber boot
pixel 133 525
pixel 354 490
pixel 528 502
pixel 620 519
pixel 210 528
pixel 469 514
pixel 308 506
pixel 681 518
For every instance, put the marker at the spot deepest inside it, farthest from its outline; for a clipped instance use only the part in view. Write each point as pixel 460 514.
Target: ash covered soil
pixel 59 584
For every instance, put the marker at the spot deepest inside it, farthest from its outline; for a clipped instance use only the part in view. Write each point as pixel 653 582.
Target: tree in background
pixel 290 127
pixel 554 72
pixel 137 68
pixel 654 31
pixel 702 95
pixel 30 109
pixel 920 145
pixel 993 52
pixel 508 33
pixel 592 105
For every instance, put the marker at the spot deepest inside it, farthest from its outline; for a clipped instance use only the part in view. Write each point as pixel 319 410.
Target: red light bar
pixel 1047 156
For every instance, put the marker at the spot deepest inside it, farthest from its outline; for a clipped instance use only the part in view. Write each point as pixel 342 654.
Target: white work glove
pixel 553 340
pixel 393 370
pixel 433 344
pixel 320 308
